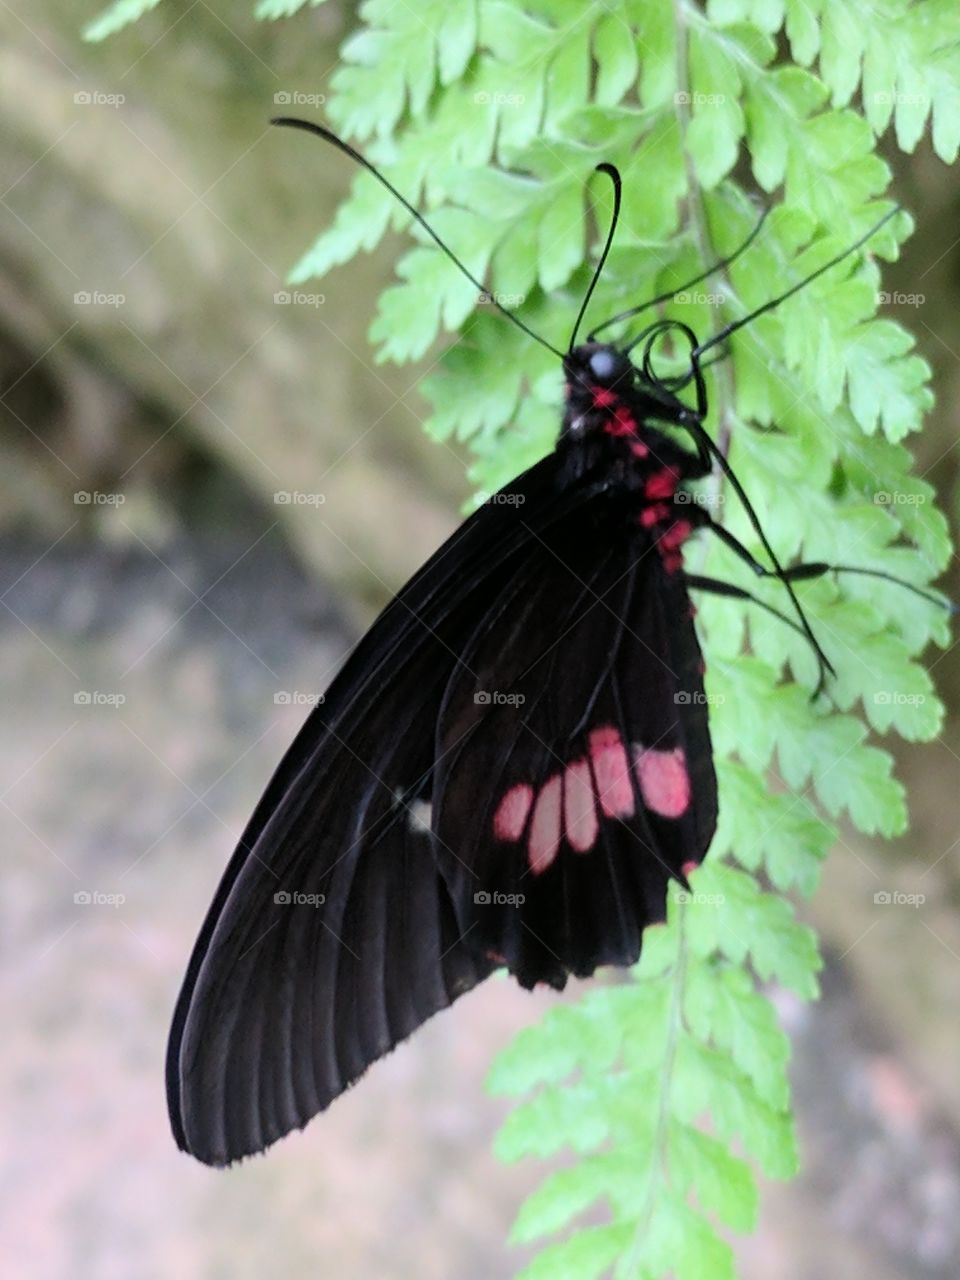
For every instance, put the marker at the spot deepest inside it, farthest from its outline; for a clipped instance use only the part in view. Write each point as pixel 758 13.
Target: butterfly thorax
pixel 608 428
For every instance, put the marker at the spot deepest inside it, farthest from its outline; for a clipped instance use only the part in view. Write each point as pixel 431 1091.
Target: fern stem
pixel 660 1164
pixel 722 374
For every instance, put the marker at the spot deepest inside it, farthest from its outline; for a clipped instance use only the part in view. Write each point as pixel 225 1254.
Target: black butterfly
pixel 510 768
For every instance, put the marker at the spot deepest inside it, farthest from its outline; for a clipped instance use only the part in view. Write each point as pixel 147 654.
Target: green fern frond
pixel 116 16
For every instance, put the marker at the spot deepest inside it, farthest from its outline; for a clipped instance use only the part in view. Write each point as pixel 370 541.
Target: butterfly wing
pixel 333 934
pixel 576 774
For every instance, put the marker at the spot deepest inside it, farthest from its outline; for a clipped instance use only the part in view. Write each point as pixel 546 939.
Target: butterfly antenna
pixel 727 330
pixel 614 175
pixel 309 127
pixel 680 288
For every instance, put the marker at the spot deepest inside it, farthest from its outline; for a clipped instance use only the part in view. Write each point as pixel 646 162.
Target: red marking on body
pixel 664 781
pixel 579 811
pixel 603 397
pixel 663 483
pixel 511 816
pixel 622 423
pixel 612 772
pixel 545 826
pixel 649 516
pixel 677 534
pixel 496 957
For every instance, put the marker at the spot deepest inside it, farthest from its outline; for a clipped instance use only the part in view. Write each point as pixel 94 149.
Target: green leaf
pixel 269 10
pixel 723 1183
pixel 722 1008
pixel 779 832
pixel 617 60
pixel 588 1254
pixel 620 1176
pixel 115 17
pixel 717 121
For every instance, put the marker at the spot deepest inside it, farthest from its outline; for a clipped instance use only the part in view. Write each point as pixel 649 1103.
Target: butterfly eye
pixel 602 364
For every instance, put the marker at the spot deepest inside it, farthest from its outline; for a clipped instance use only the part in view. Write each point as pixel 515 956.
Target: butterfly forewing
pixel 333 933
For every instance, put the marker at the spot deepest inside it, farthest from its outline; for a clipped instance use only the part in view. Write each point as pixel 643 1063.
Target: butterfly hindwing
pixel 575 773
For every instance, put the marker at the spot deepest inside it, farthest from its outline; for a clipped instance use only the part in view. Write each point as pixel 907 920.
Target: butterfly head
pixel 597 364
pixel 600 392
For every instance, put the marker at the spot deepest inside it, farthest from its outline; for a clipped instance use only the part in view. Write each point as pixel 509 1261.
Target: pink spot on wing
pixel 639 449
pixel 603 397
pixel 612 772
pixel 511 816
pixel 579 811
pixel 664 781
pixel 663 483
pixel 689 867
pixel 545 826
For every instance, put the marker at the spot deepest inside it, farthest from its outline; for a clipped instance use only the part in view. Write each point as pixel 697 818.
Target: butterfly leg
pixel 703 519
pixel 816 568
pixel 717 587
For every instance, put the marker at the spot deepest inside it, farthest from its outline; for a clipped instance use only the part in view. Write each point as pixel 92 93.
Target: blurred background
pixel 167 619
